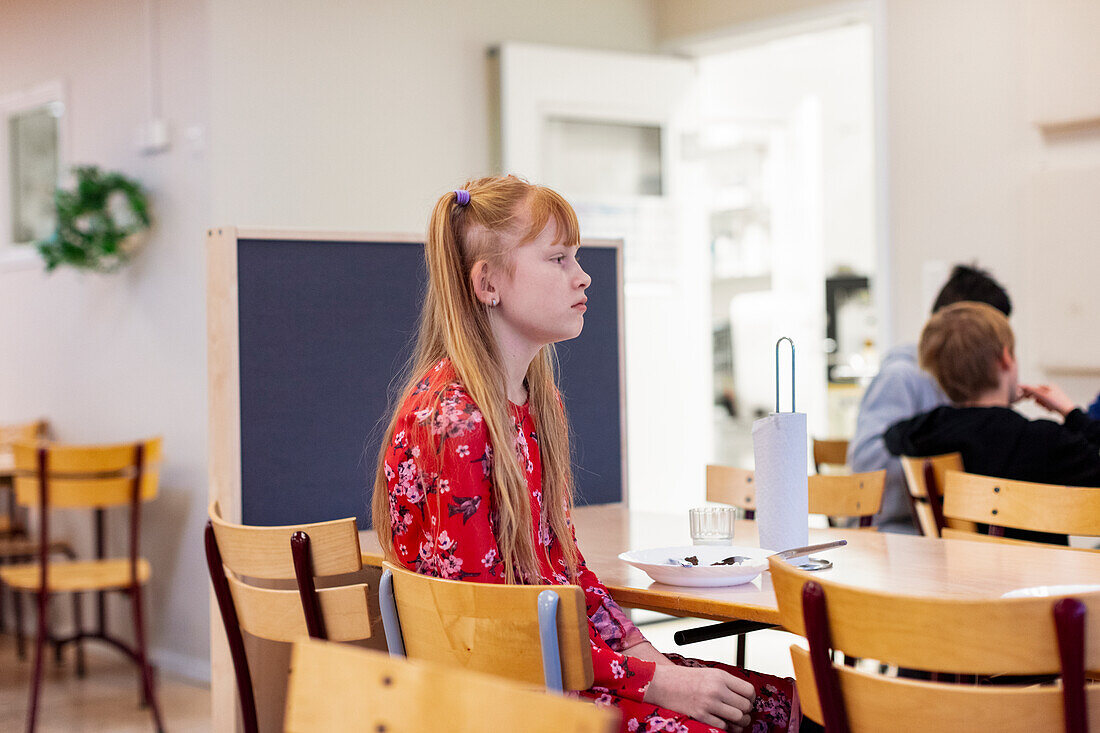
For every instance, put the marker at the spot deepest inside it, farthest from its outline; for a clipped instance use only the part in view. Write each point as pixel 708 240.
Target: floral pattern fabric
pixel 437 468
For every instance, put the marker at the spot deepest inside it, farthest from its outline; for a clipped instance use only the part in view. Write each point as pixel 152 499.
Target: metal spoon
pixel 800 551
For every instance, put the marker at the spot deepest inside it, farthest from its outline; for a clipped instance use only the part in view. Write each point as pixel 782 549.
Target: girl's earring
pixel 493 303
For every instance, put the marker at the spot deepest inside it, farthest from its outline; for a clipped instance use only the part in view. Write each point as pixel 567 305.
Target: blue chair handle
pixel 390 622
pixel 548 637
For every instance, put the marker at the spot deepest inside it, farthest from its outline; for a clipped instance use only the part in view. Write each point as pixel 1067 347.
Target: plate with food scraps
pixel 700 566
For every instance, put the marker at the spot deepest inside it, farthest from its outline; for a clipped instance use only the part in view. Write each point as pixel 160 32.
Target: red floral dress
pixel 442 516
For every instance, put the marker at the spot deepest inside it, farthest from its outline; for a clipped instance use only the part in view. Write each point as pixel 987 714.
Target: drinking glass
pixel 712 525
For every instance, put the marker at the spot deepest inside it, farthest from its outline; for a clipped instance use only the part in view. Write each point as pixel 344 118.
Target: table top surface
pixel 895 563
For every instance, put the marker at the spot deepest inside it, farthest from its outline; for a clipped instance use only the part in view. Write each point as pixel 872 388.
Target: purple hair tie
pixel 462 196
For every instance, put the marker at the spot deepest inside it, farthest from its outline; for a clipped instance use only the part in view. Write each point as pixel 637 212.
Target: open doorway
pixel 741 182
pixel 785 164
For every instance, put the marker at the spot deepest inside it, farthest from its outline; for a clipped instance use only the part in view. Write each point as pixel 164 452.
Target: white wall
pixel 326 114
pixel 965 156
pixel 117 357
pixel 358 115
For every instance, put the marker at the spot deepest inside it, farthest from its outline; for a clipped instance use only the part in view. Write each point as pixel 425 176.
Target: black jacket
pixel 998 441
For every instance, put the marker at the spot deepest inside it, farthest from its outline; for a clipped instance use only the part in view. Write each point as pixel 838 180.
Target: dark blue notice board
pixel 325 329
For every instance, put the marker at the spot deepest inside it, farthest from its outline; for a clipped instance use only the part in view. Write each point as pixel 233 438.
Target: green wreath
pixel 96 222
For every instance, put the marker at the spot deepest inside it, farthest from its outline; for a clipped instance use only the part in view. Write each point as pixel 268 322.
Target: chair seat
pixel 76 576
pixel 19 547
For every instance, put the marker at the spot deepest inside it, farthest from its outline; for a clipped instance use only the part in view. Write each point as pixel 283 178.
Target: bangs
pixel 546 204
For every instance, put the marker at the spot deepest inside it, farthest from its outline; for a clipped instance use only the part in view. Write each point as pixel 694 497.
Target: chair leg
pixel 39 651
pixel 78 628
pixel 20 641
pixel 143 659
pixel 3 607
pixel 742 642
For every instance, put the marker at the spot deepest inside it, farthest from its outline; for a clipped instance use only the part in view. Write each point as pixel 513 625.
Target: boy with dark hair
pixel 973 284
pixel 970 349
pixel 901 390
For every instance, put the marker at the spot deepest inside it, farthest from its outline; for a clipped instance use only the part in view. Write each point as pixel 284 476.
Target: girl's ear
pixel 481 278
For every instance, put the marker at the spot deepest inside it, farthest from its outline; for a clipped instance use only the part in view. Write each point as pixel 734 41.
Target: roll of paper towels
pixel 782 492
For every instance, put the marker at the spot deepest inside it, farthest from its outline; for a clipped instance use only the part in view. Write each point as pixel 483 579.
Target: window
pixel 30 166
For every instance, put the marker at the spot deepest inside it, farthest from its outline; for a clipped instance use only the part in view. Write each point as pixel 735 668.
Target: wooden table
pixel 890 562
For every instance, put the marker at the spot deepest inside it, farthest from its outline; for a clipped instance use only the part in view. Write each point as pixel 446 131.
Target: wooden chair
pixel 830 459
pixel 1028 636
pixel 15 546
pixel 961 534
pixel 856 495
pixel 236 554
pixel 1002 503
pixel 924 478
pixel 733 486
pixel 95 477
pixel 533 634
pixel 9 435
pixel 335 687
pixel 853 495
pixel 830 454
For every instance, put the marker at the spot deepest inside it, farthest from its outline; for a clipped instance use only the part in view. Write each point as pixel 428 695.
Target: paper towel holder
pixel 777 343
pixel 806 563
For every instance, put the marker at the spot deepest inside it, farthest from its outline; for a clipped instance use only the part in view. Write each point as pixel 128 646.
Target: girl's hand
pixel 709 695
pixel 1049 396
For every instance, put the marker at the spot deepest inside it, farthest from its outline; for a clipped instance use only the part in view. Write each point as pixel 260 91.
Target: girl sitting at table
pixel 474 472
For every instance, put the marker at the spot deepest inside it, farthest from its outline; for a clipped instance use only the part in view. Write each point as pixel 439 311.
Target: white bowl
pixel 655 563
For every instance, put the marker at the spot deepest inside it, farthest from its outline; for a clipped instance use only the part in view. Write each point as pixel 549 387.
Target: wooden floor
pixel 105 700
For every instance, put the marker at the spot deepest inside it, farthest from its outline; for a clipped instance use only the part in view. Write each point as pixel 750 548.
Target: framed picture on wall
pixel 31 162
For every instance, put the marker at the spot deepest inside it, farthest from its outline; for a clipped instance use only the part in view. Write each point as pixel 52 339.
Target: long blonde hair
pixel 454 324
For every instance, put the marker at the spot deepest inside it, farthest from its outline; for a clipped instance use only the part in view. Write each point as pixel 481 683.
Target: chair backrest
pixel 51 476
pixel 490 628
pixel 924 477
pixel 335 687
pixel 830 452
pixel 980 637
pixel 733 486
pixel 265 553
pixel 236 554
pixel 949 533
pixel 1004 503
pixel 9 435
pixel 853 495
pixel 22 433
pixel 95 476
